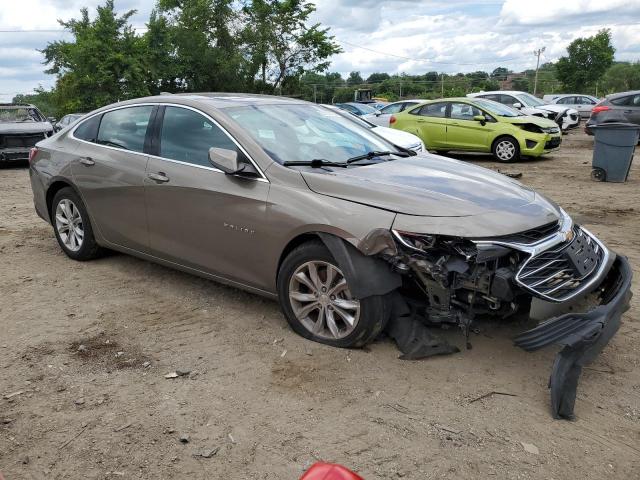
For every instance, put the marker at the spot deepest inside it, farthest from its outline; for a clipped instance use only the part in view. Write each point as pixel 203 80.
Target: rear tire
pixel 72 226
pixel 506 149
pixel 316 300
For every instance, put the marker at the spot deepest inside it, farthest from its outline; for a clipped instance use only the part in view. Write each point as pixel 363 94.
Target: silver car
pixel 582 103
pixel 352 235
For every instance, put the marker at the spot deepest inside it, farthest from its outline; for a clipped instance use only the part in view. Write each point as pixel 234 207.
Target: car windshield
pixel 19 115
pixel 496 108
pixel 365 108
pixel 529 100
pixel 302 133
pixel 354 118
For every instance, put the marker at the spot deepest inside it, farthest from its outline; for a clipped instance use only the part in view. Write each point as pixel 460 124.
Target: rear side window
pixel 631 100
pixel 187 136
pixel 88 130
pixel 437 110
pixel 567 101
pixel 125 128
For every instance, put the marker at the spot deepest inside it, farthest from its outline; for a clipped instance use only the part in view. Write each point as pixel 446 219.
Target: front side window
pixel 125 128
pixel 496 108
pixel 567 101
pixel 529 100
pixel 290 132
pixel 187 136
pixel 510 100
pixel 437 110
pixel 464 111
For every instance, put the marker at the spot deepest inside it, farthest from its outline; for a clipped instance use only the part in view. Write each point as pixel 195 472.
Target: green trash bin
pixel 613 151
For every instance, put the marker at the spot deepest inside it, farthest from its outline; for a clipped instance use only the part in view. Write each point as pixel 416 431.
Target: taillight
pixel 600 108
pixel 32 154
pixel 392 120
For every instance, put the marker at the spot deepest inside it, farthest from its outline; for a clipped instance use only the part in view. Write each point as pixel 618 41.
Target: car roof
pixel 512 92
pixel 623 94
pixel 16 105
pixel 216 100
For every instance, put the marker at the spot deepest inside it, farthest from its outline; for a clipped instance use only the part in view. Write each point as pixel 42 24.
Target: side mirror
pixel 480 118
pixel 517 105
pixel 226 160
pixel 52 120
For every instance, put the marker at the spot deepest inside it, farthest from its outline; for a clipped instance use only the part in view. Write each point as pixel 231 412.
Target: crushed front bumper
pixel 581 335
pixel 14 154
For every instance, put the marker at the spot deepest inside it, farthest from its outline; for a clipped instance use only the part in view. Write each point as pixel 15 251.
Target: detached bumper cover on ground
pixel 582 336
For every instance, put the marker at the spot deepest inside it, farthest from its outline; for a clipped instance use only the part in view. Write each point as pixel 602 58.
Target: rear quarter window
pixel 88 130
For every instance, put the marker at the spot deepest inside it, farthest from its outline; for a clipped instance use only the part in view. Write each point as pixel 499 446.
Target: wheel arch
pixel 54 187
pixel 502 136
pixel 367 275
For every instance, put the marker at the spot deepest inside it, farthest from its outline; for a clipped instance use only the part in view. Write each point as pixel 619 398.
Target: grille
pixel 558 273
pixel 553 143
pixel 532 235
pixel 21 140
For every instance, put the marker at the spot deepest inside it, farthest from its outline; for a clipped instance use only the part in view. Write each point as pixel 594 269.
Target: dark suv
pixel 619 107
pixel 21 127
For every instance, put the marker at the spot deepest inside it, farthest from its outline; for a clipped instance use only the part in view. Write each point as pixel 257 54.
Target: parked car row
pixel 473 123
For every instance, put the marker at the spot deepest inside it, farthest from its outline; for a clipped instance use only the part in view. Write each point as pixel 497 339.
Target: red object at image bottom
pixel 329 471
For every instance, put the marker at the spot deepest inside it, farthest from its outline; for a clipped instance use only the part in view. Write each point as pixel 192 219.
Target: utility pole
pixel 442 84
pixel 537 53
pixel 314 93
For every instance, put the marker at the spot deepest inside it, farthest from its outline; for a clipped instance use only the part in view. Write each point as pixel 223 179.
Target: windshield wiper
pixel 376 153
pixel 315 163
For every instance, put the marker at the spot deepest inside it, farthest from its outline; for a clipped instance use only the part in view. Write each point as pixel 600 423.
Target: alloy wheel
pixel 321 300
pixel 505 150
pixel 69 224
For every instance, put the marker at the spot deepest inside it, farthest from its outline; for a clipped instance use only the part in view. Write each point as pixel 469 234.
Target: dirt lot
pixel 272 403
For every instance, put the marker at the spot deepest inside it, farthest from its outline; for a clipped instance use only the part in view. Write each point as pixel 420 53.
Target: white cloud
pixel 433 35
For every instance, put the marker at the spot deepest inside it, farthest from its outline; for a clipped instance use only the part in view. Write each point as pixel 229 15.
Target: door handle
pixel 159 177
pixel 88 161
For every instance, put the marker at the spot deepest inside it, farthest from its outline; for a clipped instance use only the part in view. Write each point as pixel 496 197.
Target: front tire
pixel 72 227
pixel 506 149
pixel 317 302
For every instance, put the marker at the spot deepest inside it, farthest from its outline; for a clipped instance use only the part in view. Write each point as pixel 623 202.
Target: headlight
pixel 415 241
pixel 551 130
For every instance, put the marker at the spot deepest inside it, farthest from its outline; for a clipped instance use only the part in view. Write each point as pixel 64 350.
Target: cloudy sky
pixel 413 36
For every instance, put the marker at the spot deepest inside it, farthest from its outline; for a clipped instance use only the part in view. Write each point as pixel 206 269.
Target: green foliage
pixel 587 61
pixel 621 77
pixel 104 64
pixel 378 77
pixel 521 84
pixel 41 98
pixel 355 79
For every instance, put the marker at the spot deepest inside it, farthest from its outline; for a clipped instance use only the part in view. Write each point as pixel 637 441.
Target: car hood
pixel 25 127
pixel 431 186
pixel 555 108
pixel 398 137
pixel 539 121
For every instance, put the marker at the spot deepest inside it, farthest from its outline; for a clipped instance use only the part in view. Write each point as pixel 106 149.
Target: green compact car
pixel 479 125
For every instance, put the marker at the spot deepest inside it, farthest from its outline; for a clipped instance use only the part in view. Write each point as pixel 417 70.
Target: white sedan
pixel 382 116
pixel 397 137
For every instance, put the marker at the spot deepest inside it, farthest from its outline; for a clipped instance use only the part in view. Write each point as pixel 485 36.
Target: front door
pixel 465 133
pixel 110 169
pixel 198 216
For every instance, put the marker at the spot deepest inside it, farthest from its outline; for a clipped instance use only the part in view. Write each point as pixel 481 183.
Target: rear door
pixel 431 124
pixel 198 216
pixel 630 107
pixel 463 132
pixel 109 171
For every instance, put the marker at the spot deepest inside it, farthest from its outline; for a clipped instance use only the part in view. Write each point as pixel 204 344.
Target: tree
pixel 378 77
pixel 587 61
pixel 281 44
pixel 163 73
pixel 104 63
pixel 621 77
pixel 500 73
pixel 41 98
pixel 521 83
pixel 354 78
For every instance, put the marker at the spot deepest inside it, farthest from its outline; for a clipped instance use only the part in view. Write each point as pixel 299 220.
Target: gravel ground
pixel 85 347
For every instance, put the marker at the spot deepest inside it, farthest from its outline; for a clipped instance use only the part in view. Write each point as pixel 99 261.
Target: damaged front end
pixel 558 273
